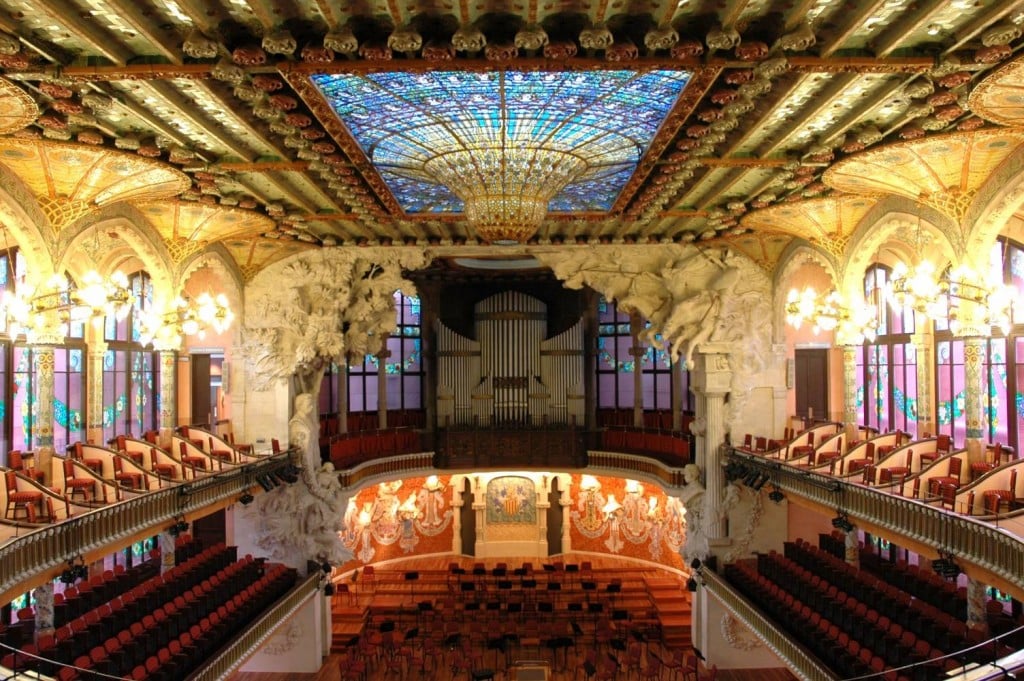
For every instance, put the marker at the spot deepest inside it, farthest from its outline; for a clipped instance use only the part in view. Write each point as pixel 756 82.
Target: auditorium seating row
pixel 938 624
pixel 163 627
pixel 671 447
pixel 351 450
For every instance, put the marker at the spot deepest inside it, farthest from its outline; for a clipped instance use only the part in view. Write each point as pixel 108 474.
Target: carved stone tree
pixel 326 307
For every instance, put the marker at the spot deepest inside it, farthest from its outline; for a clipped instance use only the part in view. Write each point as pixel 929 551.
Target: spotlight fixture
pixel 266 482
pixel 178 527
pixel 776 495
pixel 76 570
pixel 325 567
pixel 945 566
pixel 246 498
pixel 842 522
pixel 695 564
pixel 691 584
pixel 329 589
pixel 760 482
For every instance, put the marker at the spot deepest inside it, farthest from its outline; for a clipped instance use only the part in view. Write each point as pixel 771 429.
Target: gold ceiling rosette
pixel 1000 96
pixel 942 171
pixel 17 108
pixel 69 180
pixel 826 222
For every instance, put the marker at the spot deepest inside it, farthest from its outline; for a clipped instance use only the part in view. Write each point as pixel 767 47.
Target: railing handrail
pixel 51 546
pixel 229 658
pixel 800 661
pixel 969 539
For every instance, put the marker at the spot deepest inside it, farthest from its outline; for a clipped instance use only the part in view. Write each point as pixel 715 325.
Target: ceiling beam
pixel 99 39
pixel 198 118
pixel 733 11
pixel 897 32
pixel 798 14
pixel 856 21
pixel 993 15
pixel 128 10
pixel 264 166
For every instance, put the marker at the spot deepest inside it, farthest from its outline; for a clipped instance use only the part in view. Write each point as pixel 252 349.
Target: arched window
pixel 1002 365
pixel 887 368
pixel 130 371
pixel 403 367
pixel 616 367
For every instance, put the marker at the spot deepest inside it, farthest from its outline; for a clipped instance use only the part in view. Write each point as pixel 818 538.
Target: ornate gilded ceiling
pixel 215 99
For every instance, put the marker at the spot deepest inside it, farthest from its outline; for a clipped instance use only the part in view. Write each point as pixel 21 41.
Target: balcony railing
pixel 52 546
pixel 230 658
pixel 800 661
pixel 970 540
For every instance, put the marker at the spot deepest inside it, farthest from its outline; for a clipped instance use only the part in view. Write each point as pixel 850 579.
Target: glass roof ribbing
pixel 403 121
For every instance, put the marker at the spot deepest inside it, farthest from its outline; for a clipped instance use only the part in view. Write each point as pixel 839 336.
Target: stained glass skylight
pixel 569 140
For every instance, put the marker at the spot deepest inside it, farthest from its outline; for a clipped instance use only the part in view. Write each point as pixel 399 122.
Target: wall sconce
pixel 634 487
pixel 588 483
pixel 776 494
pixel 246 498
pixel 842 522
pixel 611 507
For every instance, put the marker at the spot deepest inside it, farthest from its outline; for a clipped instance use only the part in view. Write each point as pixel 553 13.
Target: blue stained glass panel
pixel 402 120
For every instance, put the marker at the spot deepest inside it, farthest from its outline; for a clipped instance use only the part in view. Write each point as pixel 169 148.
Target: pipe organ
pixel 511 374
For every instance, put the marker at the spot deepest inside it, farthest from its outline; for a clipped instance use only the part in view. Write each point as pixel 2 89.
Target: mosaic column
pixel 924 350
pixel 711 378
pixel 852 547
pixel 977 595
pixel 94 391
pixel 42 423
pixel 168 407
pixel 850 391
pixel 636 351
pixel 166 551
pixel 382 388
pixel 974 355
pixel 43 596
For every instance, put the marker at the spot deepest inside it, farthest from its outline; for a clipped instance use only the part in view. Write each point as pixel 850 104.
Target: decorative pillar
pixel 543 504
pixel 382 387
pixel 977 595
pixel 166 551
pixel 636 351
pixel 94 390
pixel 479 506
pixel 589 359
pixel 42 422
pixel 974 356
pixel 850 391
pixel 457 484
pixel 924 351
pixel 677 395
pixel 168 395
pixel 565 501
pixel 710 380
pixel 852 547
pixel 43 596
pixel 430 302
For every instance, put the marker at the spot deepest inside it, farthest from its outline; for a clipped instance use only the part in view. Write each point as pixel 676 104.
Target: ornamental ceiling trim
pixel 17 108
pixel 68 180
pixel 204 223
pixel 943 171
pixel 828 222
pixel 1000 96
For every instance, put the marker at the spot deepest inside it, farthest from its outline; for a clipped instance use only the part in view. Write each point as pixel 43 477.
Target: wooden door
pixel 811 384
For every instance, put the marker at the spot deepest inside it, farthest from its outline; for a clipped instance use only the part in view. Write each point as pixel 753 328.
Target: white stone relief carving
pixel 285 641
pixel 735 637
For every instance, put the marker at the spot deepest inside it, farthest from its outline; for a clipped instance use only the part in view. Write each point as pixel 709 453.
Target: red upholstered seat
pixel 26 500
pixel 72 483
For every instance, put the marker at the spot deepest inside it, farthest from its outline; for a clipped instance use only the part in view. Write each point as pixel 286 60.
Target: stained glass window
pixel 410 124
pixel 130 372
pixel 402 366
pixel 887 368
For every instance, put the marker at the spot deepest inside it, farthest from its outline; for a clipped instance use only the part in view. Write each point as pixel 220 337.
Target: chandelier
pixel 186 317
pixel 829 312
pixel 506 191
pixel 35 312
pixel 948 296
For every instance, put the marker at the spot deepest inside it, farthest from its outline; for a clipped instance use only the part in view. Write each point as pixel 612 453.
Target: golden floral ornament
pixel 188 227
pixel 17 108
pixel 998 97
pixel 944 171
pixel 66 178
pixel 342 41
